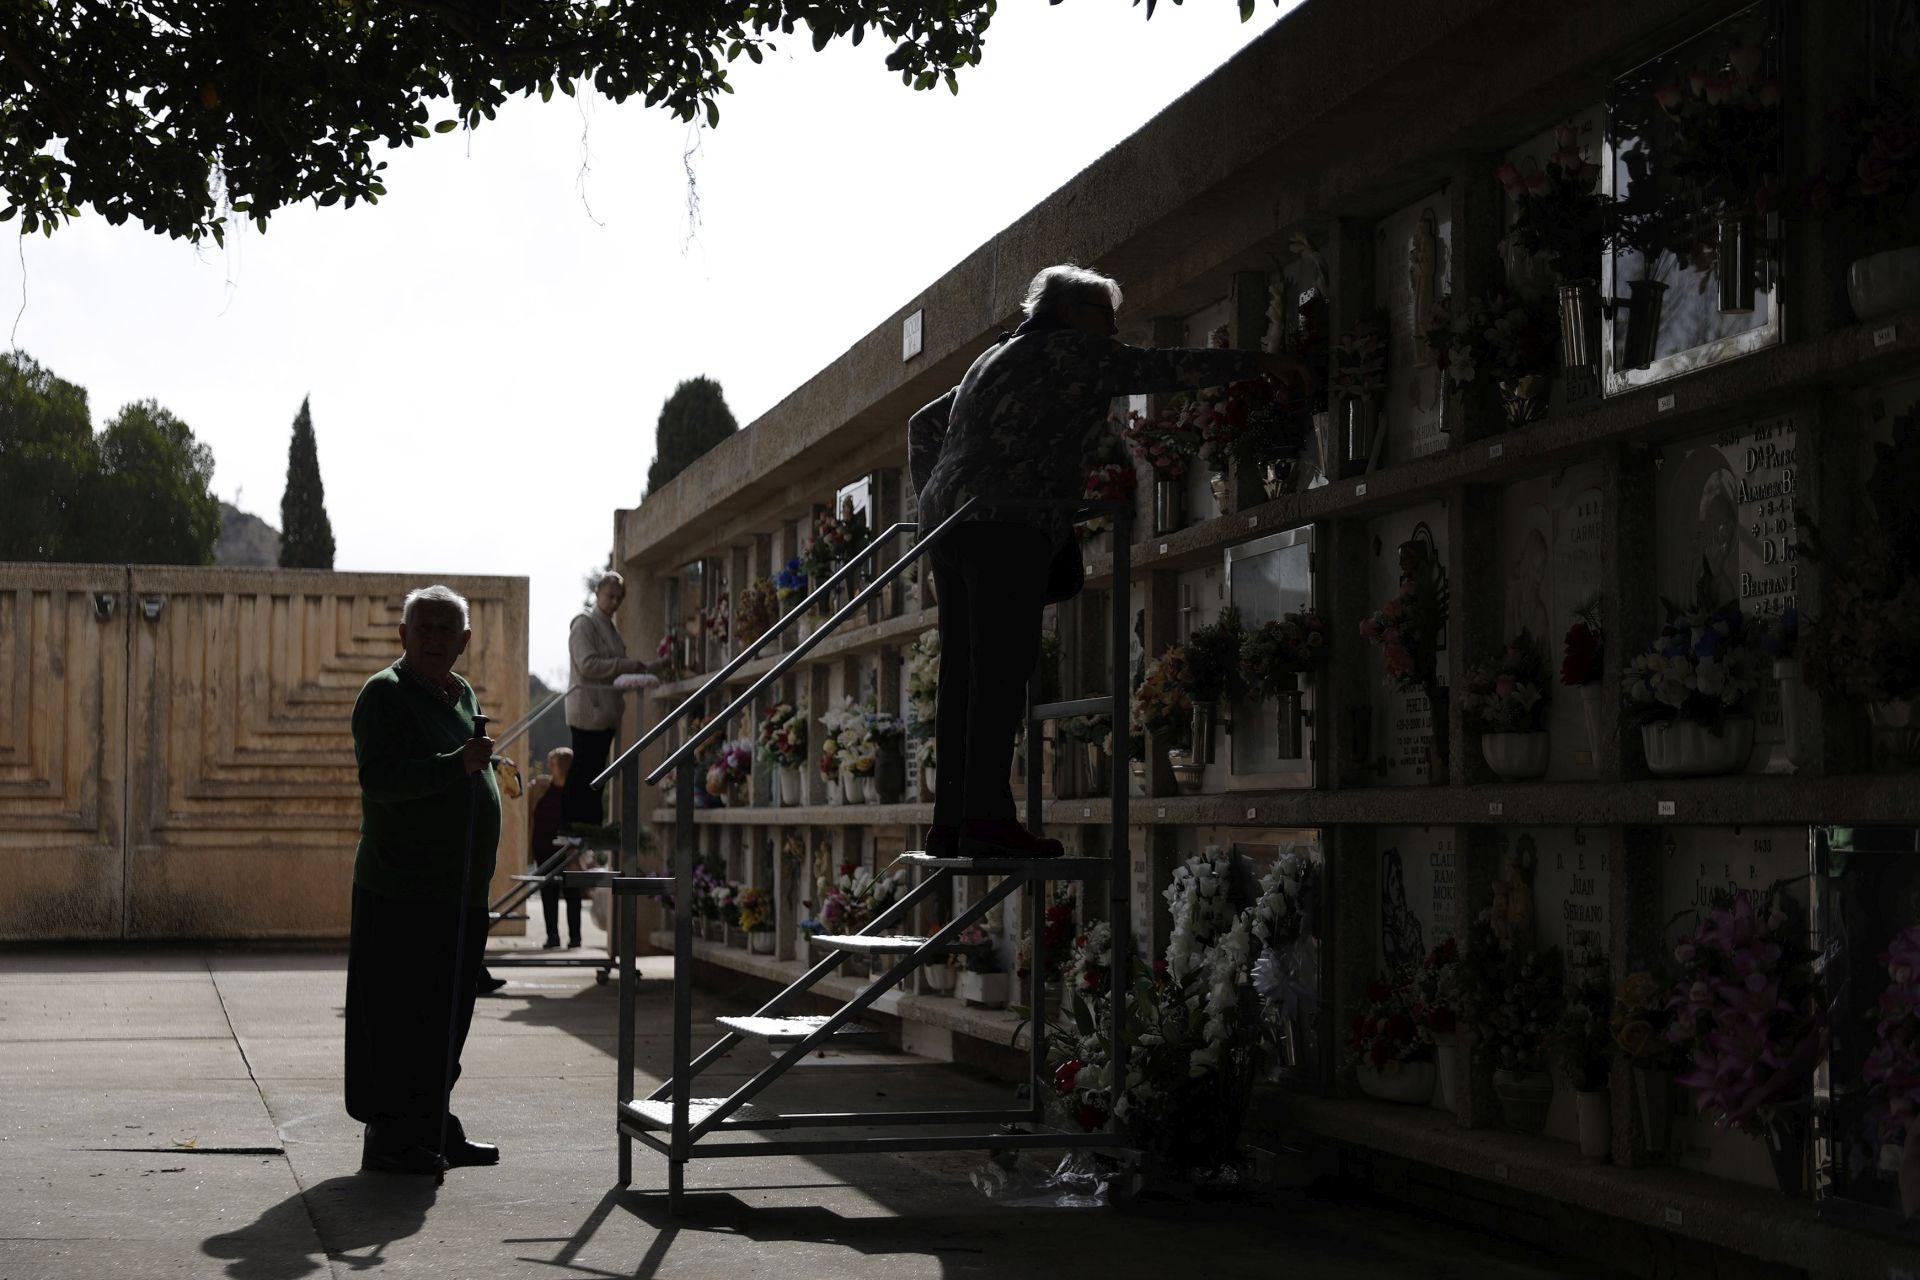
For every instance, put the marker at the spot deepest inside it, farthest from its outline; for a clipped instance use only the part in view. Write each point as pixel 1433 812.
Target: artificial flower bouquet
pixel 1583 649
pixel 716 620
pixel 790 584
pixel 1167 442
pixel 758 610
pixel 1748 1009
pixel 1161 705
pixel 1110 474
pixel 1505 337
pixel 923 683
pixel 845 727
pixel 1640 1020
pixel 1583 1034
pixel 1558 214
pixel 1513 1000
pixel 1360 363
pixel 1274 654
pixel 782 736
pixel 756 910
pixel 1703 666
pixel 1510 697
pixel 1094 730
pixel 1407 627
pixel 731 766
pixel 1388 1028
pixel 1212 669
pixel 1439 997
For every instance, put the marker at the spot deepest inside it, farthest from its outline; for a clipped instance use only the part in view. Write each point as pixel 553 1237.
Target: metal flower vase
pixel 1737 262
pixel 1205 716
pixel 1357 417
pixel 1525 399
pixel 1217 483
pixel 1644 309
pixel 1277 477
pixel 1440 748
pixel 1289 738
pixel 1580 324
pixel 1169 504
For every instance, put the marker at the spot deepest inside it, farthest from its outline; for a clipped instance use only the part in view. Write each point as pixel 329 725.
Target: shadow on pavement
pixel 356 1216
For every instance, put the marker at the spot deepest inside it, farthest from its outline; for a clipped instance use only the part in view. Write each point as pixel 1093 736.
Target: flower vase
pixel 737 795
pixel 869 790
pixel 1356 433
pixel 890 771
pixel 1787 672
pixel 1524 400
pixel 1099 769
pixel 1654 1090
pixel 1896 738
pixel 1440 747
pixel 850 787
pixel 1289 737
pixel 1524 1098
pixel 1592 708
pixel 836 790
pixel 1690 748
pixel 789 785
pixel 1169 504
pixel 986 990
pixel 1326 446
pixel 1580 324
pixel 1595 1112
pixel 760 942
pixel 1646 301
pixel 1736 263
pixel 1205 715
pixel 1187 775
pixel 1786 1139
pixel 1406 1082
pixel 1446 1056
pixel 1217 484
pixel 940 978
pixel 1515 757
pixel 927 779
pixel 1885 284
pixel 1277 477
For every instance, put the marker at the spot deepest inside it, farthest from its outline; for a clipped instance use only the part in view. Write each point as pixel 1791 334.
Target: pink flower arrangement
pixel 1892 1070
pixel 1407 627
pixel 1747 1011
pixel 730 767
pixel 1166 442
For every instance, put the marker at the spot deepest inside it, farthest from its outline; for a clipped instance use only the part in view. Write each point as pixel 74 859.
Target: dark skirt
pixel 404 1003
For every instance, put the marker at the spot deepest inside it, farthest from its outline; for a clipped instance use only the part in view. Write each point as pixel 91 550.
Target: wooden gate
pixel 207 786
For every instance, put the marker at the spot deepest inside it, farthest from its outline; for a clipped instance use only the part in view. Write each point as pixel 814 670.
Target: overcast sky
pixel 487 349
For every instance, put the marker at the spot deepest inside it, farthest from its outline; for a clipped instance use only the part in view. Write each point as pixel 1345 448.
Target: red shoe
pixel 942 842
pixel 981 838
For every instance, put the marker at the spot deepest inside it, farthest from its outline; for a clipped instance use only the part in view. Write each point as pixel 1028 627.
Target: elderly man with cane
pixel 429 828
pixel 1017 427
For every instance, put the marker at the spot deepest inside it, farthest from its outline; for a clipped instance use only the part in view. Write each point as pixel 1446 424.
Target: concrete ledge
pixel 1753 1222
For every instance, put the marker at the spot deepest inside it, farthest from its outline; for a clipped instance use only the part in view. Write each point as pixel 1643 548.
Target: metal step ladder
pixel 684 1127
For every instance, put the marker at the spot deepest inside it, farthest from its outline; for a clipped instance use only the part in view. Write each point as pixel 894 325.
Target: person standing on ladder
pixel 429 828
pixel 1018 426
pixel 597 656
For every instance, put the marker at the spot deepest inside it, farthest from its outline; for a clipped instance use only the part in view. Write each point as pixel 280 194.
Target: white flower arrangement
pixel 923 683
pixel 1198 900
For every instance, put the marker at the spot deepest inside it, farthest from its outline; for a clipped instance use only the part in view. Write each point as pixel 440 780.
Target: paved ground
pixel 169 1113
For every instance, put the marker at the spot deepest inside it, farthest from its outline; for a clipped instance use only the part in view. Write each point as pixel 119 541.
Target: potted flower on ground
pixel 1749 1011
pixel 1583 667
pixel 1278 658
pixel 1213 675
pixel 1440 1001
pixel 1583 1048
pixel 1407 630
pixel 1688 692
pixel 1388 1048
pixel 1507 705
pixel 756 920
pixel 1513 1000
pixel 1639 1025
pixel 983 979
pixel 782 739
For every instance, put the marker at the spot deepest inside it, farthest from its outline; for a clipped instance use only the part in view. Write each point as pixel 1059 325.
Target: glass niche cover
pixel 1867 919
pixel 1693 175
pixel 1269 579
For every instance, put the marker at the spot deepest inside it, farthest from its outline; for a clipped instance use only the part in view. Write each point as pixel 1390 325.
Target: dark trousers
pixel 992 581
pixel 550 907
pixel 580 802
pixel 404 1003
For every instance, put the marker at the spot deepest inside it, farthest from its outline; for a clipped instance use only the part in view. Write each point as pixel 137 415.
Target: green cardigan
pixel 414 796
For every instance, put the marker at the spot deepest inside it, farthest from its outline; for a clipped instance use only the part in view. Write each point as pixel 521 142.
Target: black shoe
pixel 575 945
pixel 378 1156
pixel 989 839
pixel 488 984
pixel 942 842
pixel 551 944
pixel 464 1154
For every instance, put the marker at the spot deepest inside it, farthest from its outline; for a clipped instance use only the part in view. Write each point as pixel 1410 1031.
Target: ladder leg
pixel 626 1162
pixel 676 1186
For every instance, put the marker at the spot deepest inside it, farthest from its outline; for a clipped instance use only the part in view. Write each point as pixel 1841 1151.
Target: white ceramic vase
pixel 1408 1082
pixel 1688 748
pixel 987 990
pixel 1884 284
pixel 789 785
pixel 1515 756
pixel 1592 707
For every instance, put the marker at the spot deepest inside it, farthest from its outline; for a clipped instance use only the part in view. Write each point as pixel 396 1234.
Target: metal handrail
pixel 752 650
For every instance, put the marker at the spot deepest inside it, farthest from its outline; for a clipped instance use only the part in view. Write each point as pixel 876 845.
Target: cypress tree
pixel 306 535
pixel 693 420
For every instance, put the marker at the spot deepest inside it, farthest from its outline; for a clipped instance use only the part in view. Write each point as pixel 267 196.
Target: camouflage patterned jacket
pixel 1020 422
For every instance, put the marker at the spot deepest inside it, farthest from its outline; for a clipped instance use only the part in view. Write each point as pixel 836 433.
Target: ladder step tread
pixel 876 944
pixel 1042 868
pixel 659 1115
pixel 787 1030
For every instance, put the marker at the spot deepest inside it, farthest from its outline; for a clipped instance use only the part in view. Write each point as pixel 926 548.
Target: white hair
pixel 610 576
pixel 435 596
pixel 1062 285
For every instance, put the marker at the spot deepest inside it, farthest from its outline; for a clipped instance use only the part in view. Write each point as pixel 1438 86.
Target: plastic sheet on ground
pixel 1077 1181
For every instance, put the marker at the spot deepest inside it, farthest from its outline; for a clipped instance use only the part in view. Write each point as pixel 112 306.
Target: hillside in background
pixel 246 541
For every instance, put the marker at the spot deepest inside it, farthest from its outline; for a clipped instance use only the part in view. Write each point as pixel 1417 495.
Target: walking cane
pixel 474 787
